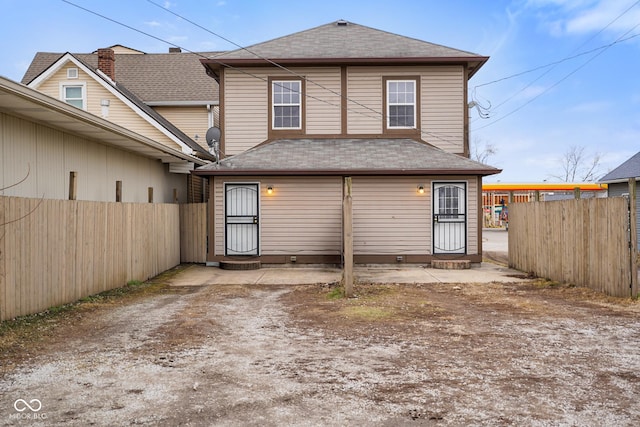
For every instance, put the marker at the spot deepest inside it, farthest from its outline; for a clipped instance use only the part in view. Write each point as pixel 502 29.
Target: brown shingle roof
pixel 346 156
pixel 346 42
pixel 153 77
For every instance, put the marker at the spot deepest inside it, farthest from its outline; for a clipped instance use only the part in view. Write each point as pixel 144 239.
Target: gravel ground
pixel 526 353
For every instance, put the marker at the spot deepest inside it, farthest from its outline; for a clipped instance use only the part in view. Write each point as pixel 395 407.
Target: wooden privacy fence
pixel 193 233
pixel 58 251
pixel 585 242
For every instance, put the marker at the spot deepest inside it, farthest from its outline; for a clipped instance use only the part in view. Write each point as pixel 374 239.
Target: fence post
pixel 347 219
pixel 118 191
pixel 150 194
pixel 73 185
pixel 576 193
pixel 633 235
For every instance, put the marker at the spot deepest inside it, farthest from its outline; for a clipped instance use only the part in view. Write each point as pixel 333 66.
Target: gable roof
pixel 345 42
pixel 155 78
pixel 126 96
pixel 346 156
pixel 629 169
pixel 17 99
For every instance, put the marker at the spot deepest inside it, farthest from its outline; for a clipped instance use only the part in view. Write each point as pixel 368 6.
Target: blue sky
pixel 590 101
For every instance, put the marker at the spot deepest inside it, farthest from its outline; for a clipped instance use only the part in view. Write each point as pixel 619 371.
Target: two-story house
pixel 300 113
pixel 165 97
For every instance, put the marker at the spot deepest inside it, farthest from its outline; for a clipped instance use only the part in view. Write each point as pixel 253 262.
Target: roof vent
pixel 175 50
pixel 342 23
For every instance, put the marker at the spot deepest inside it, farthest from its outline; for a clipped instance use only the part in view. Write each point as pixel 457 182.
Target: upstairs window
pixel 74 95
pixel 401 104
pixel 287 104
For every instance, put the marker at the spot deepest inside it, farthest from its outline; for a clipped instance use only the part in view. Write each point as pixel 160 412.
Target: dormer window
pixel 286 101
pixel 74 94
pixel 401 100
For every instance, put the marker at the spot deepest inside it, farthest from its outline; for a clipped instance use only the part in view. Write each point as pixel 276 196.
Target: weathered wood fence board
pixel 58 251
pixel 584 242
pixel 193 232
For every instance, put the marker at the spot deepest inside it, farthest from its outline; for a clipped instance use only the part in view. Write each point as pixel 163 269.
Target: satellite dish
pixel 212 136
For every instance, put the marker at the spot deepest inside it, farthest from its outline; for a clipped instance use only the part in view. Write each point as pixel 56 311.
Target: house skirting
pixel 337 259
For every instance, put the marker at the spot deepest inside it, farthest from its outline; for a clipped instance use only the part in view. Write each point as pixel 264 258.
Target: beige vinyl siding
pixel 47 155
pixel 190 120
pixel 246 109
pixel 118 112
pixel 302 217
pixel 364 104
pixel 443 107
pixel 442 102
pixel 390 217
pixel 323 101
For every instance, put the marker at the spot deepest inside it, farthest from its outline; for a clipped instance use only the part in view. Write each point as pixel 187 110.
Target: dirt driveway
pixel 440 354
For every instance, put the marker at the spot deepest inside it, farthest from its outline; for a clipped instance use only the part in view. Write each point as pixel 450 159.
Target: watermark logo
pixel 28 410
pixel 21 405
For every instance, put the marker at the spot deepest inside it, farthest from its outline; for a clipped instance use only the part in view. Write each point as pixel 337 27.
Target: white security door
pixel 449 218
pixel 241 219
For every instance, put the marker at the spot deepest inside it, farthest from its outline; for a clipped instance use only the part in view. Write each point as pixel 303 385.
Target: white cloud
pixel 590 107
pixel 562 17
pixel 152 23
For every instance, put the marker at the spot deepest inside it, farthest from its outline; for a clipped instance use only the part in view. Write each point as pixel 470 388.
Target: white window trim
pixel 414 104
pixel 72 73
pixel 273 104
pixel 65 84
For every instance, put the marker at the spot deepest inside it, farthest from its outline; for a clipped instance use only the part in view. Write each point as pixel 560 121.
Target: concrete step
pixel 451 264
pixel 240 265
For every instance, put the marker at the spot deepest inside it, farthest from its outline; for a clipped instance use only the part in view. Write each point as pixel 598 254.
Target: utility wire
pixel 376 114
pixel 553 65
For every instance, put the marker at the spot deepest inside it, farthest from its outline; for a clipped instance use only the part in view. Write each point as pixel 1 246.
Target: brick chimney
pixel 107 62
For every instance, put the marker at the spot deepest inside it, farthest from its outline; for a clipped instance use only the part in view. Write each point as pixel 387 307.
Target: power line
pixel 377 114
pixel 553 65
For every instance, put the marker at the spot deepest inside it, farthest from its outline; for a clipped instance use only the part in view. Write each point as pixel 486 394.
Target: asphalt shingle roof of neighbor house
pixel 347 42
pixel 152 77
pixel 628 169
pixel 346 156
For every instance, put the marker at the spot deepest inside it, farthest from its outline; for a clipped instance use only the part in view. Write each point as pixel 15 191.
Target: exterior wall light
pixel 270 190
pixel 421 189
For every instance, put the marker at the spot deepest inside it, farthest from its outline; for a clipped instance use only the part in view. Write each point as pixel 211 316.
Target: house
pixel 49 146
pixel 618 181
pixel 301 113
pixel 165 97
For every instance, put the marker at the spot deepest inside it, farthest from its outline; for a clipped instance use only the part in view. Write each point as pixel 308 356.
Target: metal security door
pixel 241 219
pixel 449 218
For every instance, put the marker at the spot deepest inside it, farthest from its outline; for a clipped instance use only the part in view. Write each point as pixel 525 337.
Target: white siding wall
pixel 51 154
pixel 301 217
pixel 364 105
pixel 390 217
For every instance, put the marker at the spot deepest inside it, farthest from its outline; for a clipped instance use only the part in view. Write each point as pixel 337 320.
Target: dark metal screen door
pixel 449 218
pixel 241 219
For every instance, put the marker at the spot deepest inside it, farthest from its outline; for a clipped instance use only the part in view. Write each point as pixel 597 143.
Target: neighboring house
pixel 43 140
pixel 618 181
pixel 344 100
pixel 165 97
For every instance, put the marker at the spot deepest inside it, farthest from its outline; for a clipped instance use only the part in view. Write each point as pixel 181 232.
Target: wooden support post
pixel 150 193
pixel 347 223
pixel 175 195
pixel 537 195
pixel 633 234
pixel 576 193
pixel 73 185
pixel 118 191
